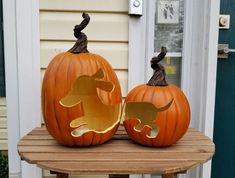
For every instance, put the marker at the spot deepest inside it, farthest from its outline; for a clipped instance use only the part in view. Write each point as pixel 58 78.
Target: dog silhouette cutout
pixel 99 116
pixel 145 114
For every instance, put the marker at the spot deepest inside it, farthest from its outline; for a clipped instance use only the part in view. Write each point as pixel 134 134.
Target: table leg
pixel 62 175
pixel 168 175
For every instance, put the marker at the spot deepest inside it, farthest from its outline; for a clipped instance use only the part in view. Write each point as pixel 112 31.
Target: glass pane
pixel 173 69
pixel 169 21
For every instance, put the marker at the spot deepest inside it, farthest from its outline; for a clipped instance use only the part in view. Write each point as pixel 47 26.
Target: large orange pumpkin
pixel 81 96
pixel 156 114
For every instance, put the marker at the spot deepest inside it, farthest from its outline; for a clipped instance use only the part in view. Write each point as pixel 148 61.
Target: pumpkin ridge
pixel 79 59
pixel 94 141
pixel 162 129
pixel 64 137
pixel 166 120
pixel 53 108
pixel 143 96
pixel 186 124
pixel 136 92
pixel 95 61
pixel 161 132
pixel 101 139
pixel 57 68
pixel 90 62
pixel 151 139
pixel 67 110
pixel 176 117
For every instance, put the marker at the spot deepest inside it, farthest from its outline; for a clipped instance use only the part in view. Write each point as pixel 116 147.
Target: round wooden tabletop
pixel 118 156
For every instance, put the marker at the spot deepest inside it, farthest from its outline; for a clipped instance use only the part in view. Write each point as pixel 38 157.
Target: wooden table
pixel 118 156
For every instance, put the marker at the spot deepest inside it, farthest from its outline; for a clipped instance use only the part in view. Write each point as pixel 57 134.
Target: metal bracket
pixel 221 53
pixel 223 50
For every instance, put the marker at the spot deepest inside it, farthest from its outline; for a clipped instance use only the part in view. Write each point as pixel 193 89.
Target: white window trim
pixel 199 60
pixel 22 67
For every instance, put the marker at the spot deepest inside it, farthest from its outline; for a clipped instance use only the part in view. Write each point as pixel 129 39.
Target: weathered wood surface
pixel 118 156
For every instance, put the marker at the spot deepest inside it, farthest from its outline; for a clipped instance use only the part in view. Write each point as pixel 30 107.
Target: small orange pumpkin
pixel 156 114
pixel 81 95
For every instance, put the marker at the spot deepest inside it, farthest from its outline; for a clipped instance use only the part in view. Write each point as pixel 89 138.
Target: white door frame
pixel 22 68
pixel 198 65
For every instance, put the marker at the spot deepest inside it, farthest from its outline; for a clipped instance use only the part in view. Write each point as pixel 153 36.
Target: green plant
pixel 3 166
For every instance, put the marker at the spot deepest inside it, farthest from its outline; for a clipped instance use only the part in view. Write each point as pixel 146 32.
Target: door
pixel 223 164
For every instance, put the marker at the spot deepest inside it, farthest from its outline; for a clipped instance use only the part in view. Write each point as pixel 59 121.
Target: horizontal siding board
pixel 2 101
pixel 3 122
pixel 85 5
pixel 122 77
pixel 3 144
pixel 102 27
pixel 3 134
pixel 115 53
pixel 3 112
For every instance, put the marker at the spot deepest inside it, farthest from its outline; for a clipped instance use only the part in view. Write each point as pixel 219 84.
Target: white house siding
pixel 107 34
pixel 3 124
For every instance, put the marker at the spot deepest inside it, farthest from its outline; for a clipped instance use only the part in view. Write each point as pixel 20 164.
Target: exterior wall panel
pixel 117 6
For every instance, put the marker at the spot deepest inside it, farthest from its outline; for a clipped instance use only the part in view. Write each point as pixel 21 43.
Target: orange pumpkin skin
pixel 172 123
pixel 60 75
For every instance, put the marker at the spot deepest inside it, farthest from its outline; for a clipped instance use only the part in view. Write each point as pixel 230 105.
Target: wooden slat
pixel 162 167
pixel 51 142
pixel 88 5
pixel 108 148
pixel 108 27
pixel 116 156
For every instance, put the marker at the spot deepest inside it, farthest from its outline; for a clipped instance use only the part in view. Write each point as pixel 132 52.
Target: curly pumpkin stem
pixel 158 78
pixel 81 44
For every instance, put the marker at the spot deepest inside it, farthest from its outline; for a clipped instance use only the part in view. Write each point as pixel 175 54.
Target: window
pixel 169 22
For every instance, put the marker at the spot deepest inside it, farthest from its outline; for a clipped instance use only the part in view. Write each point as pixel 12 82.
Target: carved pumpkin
pixel 156 114
pixel 81 96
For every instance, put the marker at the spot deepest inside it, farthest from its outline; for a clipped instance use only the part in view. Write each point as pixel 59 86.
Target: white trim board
pixel 22 67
